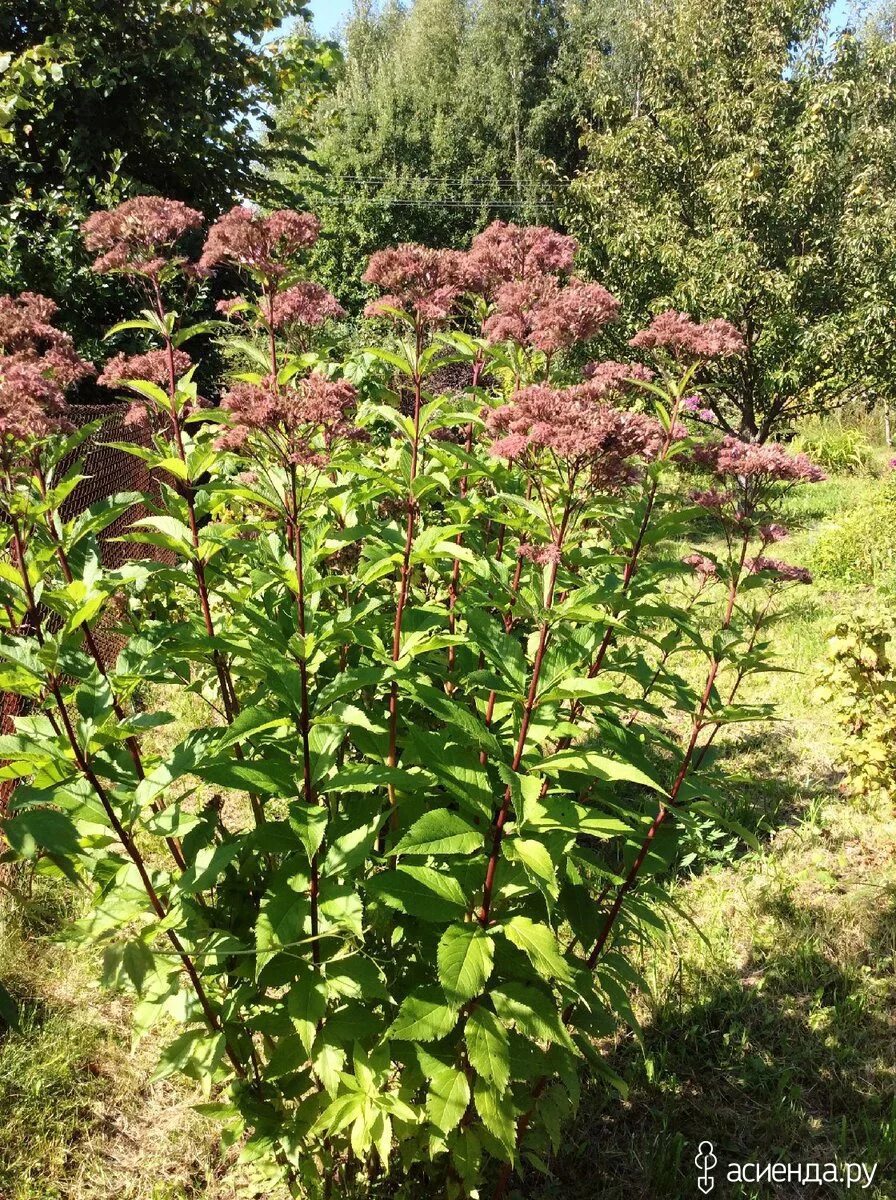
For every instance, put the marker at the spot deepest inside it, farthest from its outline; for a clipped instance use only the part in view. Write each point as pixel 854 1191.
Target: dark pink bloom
pixel 32 405
pixel 711 498
pixel 691 404
pixel 415 279
pixel 756 461
pixel 27 336
pixel 138 237
pixel 541 555
pixel 785 572
pixel 703 566
pixel 773 533
pixel 294 418
pixel 137 416
pixel 677 333
pixel 266 245
pixel 540 312
pixel 598 437
pixel 302 304
pixel 152 367
pixel 504 252
pixel 606 378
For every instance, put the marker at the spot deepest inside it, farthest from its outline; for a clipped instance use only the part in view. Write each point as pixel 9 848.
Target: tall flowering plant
pixel 387 880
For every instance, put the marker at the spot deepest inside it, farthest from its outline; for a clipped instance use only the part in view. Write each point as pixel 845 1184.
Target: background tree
pixel 442 118
pixel 101 99
pixel 718 165
pixel 866 240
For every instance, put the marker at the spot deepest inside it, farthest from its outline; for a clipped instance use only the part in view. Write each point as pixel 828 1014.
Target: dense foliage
pixel 859 681
pixel 99 100
pixel 456 694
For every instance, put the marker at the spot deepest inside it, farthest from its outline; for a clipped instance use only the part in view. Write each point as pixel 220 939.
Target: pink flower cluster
pixel 540 555
pixel 702 565
pixel 152 367
pixel 677 333
pixel 305 303
pixel 38 362
pixel 782 571
pixel 416 279
pixel 138 237
pixel 609 378
pixel 756 461
pixel 262 244
pixel 292 417
pixel 542 313
pixel 505 252
pixel 575 430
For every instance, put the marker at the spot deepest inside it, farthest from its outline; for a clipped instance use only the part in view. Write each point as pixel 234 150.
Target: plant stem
pixel 404 579
pixel 305 708
pixel 528 708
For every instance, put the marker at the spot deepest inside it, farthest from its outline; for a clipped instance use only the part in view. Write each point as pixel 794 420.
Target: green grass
pixel 773 1034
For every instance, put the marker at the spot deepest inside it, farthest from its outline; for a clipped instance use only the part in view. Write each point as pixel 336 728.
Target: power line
pixel 499 181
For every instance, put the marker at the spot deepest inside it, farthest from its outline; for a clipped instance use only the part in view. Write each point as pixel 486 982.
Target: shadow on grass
pixel 790 1060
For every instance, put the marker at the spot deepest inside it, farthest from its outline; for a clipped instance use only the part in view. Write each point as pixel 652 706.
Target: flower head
pixel 415 279
pixel 302 304
pixel 756 461
pixel 686 339
pixel 266 245
pixel 540 312
pixel 504 252
pixel 152 366
pixel 541 555
pixel 138 237
pixel 702 565
pixel 782 571
pixel 302 422
pixel 614 378
pixel 773 533
pixel 597 437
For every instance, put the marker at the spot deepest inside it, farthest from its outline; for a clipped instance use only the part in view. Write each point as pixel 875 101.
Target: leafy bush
pixel 860 547
pixel 836 447
pixel 389 881
pixel 859 681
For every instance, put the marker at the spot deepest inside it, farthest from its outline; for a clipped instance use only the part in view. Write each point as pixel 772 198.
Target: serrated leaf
pixel 448 1097
pixel 496 1114
pixel 423 1017
pixel 539 943
pixel 421 892
pixel 488 1047
pixel 440 831
pixel 465 959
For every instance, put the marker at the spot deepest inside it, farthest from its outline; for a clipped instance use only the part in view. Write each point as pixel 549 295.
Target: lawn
pixel 770 1030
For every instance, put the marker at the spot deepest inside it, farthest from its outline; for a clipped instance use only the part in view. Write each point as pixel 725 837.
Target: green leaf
pixel 537 861
pixel 465 959
pixel 488 1047
pixel 307 1003
pixel 440 832
pixel 532 1011
pixel 449 1095
pixel 597 766
pixel 496 1114
pixel 420 892
pixel 423 1017
pixel 539 944
pixel 266 777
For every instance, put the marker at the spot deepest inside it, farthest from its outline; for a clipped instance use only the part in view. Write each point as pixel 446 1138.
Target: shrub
pixel 860 547
pixel 389 883
pixel 859 681
pixel 836 447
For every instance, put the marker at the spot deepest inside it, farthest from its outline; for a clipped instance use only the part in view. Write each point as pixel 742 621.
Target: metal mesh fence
pixel 107 471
